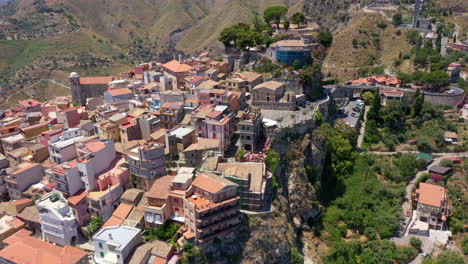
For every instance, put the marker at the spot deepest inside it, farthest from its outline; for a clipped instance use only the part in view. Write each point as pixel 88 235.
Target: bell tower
pixel 76 87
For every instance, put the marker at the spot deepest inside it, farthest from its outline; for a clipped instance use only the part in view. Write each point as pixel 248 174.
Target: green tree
pixel 298 18
pixel 229 36
pixel 416 243
pixel 418 104
pixel 449 257
pixel 436 79
pixel 405 78
pixel 275 14
pixel 319 118
pixel 325 38
pixel 397 19
pixel 94 225
pixel 311 78
pixel 368 97
pixel 297 65
pixel 286 24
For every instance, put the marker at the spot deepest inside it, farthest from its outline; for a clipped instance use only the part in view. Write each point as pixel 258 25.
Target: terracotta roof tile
pixel 118 92
pixel 96 80
pixel 431 194
pixel 177 67
pixel 210 182
pixel 160 188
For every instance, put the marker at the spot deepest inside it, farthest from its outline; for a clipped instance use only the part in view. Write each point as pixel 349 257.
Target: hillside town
pixel 170 158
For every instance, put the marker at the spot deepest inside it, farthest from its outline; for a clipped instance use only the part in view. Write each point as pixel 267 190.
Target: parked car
pixel 307 102
pixel 357 109
pixel 424 255
pixel 354 114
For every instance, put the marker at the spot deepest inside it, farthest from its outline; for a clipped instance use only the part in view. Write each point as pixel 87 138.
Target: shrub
pixel 416 243
pixel 465 245
pixel 382 25
pixel 295 256
pixel 446 163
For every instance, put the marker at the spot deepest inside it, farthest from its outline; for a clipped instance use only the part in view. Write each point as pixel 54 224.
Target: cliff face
pixel 273 235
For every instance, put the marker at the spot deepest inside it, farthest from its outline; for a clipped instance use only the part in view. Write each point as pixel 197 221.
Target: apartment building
pixel 62 148
pixel 211 209
pixel 19 180
pixel 146 163
pixel 250 128
pixel 66 177
pixel 94 157
pixel 253 179
pixel 165 200
pixel 114 244
pixel 58 222
pixel 171 114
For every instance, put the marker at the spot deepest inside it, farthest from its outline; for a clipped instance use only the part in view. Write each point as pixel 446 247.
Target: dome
pixel 74 75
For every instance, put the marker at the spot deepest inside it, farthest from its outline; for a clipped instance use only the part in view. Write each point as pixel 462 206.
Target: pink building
pixel 178 71
pixel 45 137
pixel 116 175
pixel 213 122
pixel 79 203
pixel 220 97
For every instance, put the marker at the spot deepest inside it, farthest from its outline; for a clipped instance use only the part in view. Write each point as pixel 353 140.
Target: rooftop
pixel 431 194
pixel 119 236
pixel 210 182
pixel 118 92
pixel 254 170
pixel 274 85
pixel 161 187
pixel 38 251
pixel 177 67
pixel 181 132
pixel 96 80
pixel 204 143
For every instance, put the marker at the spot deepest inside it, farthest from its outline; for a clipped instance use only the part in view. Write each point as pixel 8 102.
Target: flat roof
pixel 119 236
pixel 181 131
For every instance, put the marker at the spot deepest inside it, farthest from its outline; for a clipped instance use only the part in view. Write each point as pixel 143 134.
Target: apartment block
pixel 165 200
pixel 19 180
pixel 146 162
pixel 62 148
pixel 66 177
pixel 58 222
pixel 211 209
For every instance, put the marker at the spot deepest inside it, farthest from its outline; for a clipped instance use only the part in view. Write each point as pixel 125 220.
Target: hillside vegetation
pixel 369 40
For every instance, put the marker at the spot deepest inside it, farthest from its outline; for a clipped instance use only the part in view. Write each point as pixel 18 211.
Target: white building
pixel 62 148
pixel 115 243
pixel 58 222
pixel 94 157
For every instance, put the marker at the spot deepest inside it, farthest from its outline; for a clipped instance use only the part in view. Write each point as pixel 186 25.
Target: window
pixel 100 245
pixel 102 254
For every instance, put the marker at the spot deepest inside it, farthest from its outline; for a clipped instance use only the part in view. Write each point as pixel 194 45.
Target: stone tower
pixel 76 87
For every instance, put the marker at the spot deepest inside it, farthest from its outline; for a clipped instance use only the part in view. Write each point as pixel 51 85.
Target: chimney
pixel 180 58
pixel 110 236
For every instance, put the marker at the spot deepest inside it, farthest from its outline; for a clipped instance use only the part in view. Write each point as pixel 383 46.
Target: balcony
pixel 232 220
pixel 231 211
pixel 208 237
